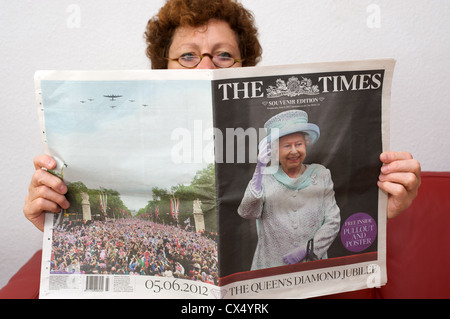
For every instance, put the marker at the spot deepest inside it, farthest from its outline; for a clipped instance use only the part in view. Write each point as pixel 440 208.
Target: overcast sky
pixel 126 144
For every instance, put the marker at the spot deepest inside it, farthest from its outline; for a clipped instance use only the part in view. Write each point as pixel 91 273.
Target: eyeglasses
pixel 220 60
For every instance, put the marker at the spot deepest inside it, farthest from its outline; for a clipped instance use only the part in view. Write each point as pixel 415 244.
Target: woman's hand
pixel 264 153
pixel 400 178
pixel 45 193
pixel 263 160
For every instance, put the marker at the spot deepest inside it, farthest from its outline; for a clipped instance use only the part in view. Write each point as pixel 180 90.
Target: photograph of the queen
pixel 293 203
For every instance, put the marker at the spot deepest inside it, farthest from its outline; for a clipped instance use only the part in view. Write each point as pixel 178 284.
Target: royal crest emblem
pixel 293 87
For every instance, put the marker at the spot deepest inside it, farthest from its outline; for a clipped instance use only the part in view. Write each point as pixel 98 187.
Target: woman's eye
pixel 187 57
pixel 224 55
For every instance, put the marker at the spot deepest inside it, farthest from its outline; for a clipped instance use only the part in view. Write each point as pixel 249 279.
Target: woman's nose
pixel 294 149
pixel 206 63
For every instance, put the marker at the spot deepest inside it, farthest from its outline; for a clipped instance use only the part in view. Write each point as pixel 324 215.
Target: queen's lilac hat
pixel 289 122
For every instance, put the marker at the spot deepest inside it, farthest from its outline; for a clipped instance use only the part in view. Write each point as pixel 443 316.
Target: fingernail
pixel 385 169
pixel 63 189
pixel 50 164
pixel 66 204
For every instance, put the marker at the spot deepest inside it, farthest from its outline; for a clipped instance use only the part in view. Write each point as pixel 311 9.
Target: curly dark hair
pixel 195 13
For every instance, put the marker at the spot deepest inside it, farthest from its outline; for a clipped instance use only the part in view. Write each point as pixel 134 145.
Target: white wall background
pixel 107 34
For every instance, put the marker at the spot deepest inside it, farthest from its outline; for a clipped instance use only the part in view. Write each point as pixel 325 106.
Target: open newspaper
pixel 240 183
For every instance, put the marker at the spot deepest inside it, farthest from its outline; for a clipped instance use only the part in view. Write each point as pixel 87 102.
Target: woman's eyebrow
pixel 220 45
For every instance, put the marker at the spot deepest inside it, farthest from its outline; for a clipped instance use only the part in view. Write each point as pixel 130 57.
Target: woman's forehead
pixel 214 33
pixel 294 137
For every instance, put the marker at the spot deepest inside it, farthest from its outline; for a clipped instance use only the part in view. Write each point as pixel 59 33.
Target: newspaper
pixel 172 195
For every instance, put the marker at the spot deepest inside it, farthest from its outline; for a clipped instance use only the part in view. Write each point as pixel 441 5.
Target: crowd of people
pixel 134 247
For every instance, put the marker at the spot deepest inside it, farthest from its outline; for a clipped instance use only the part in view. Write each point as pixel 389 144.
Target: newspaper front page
pixel 240 183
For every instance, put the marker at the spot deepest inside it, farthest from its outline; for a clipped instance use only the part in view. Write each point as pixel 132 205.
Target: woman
pixel 209 34
pixel 296 212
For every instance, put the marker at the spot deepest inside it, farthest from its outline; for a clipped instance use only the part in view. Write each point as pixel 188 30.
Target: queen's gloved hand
pixel 295 256
pixel 263 159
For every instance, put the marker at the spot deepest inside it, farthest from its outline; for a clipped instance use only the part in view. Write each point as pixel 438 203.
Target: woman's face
pixel 215 37
pixel 292 152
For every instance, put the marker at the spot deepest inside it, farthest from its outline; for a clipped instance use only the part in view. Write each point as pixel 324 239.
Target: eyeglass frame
pixel 201 58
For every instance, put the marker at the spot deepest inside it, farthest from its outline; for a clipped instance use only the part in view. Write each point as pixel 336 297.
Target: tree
pixel 73 195
pixel 115 207
pixel 202 187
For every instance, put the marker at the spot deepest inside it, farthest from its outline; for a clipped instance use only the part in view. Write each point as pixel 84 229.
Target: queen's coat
pixel 290 212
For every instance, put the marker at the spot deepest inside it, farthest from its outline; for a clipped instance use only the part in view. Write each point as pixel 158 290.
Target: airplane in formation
pixel 112 97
